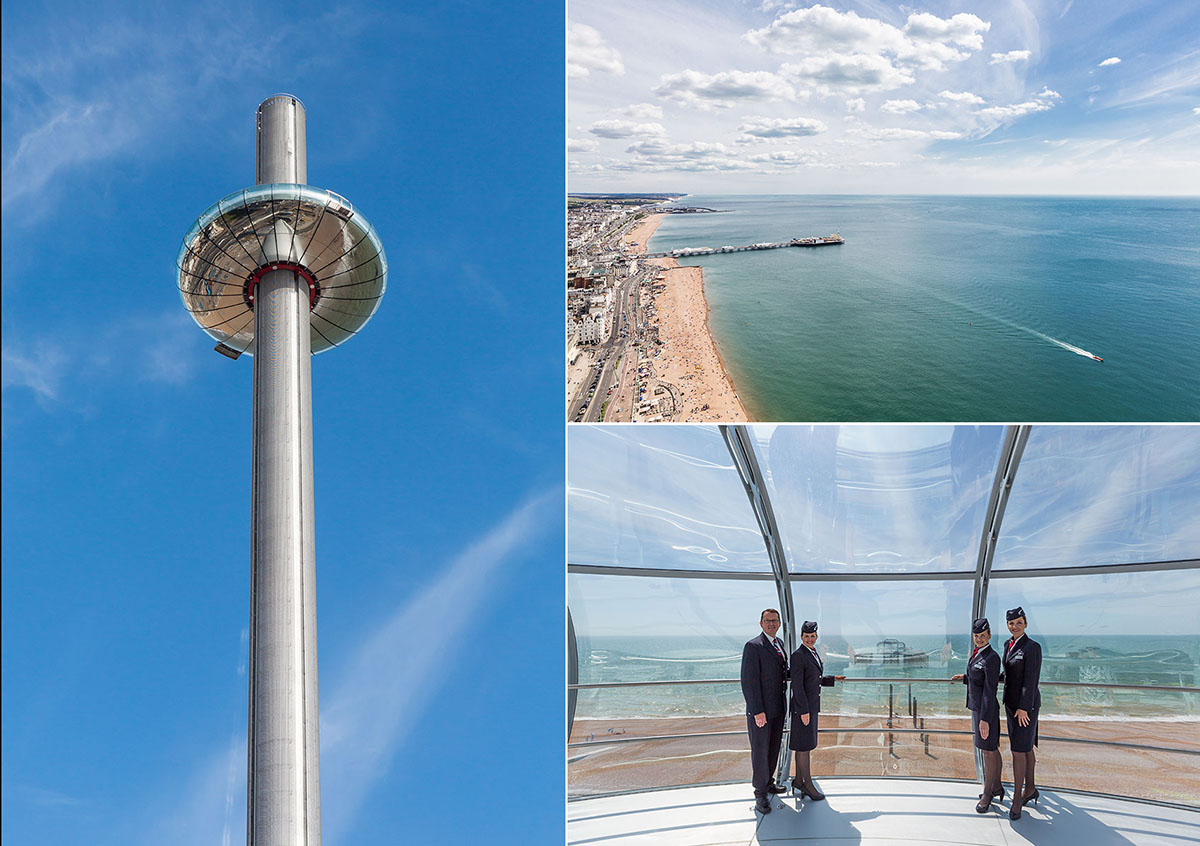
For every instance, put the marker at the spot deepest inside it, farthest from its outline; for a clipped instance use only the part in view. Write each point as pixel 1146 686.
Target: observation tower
pixel 281 271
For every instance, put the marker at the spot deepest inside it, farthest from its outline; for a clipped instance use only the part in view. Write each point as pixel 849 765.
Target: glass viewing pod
pixel 893 538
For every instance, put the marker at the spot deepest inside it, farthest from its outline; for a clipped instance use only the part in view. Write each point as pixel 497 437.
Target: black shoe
pixel 1015 813
pixel 985 804
pixel 999 797
pixel 810 790
pixel 763 805
pixel 775 788
pixel 1030 797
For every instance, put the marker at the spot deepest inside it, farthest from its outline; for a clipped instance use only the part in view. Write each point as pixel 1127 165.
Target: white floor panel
pixel 873 812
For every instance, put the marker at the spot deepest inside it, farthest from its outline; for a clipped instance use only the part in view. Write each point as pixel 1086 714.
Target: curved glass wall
pixel 658 497
pixel 885 538
pixel 1103 495
pixel 880 499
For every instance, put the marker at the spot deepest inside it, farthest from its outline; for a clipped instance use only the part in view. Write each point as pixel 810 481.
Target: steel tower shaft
pixel 283 778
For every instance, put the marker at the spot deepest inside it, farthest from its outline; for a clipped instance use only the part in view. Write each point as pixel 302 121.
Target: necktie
pixel 782 657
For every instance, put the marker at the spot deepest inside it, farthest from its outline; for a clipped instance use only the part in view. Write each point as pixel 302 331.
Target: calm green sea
pixel 955 308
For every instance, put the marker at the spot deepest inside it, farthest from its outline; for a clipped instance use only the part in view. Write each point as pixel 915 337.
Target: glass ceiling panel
pixel 1111 628
pixel 658 497
pixel 873 499
pixel 1092 495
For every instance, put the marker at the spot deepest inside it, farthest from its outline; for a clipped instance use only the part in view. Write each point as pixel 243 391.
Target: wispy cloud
pixel 1112 60
pixel 98 88
pixel 369 708
pixel 39 368
pixel 398 669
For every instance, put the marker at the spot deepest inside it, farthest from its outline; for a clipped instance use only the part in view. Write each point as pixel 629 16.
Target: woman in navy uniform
pixel 1022 701
pixel 981 678
pixel 808 676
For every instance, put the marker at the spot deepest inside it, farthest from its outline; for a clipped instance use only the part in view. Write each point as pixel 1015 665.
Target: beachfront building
pixel 590 329
pixel 892 538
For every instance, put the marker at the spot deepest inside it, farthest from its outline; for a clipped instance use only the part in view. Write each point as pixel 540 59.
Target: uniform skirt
pixel 803 737
pixel 993 738
pixel 1021 738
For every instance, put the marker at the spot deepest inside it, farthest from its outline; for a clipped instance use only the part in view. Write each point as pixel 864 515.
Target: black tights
pixel 992 764
pixel 1023 764
pixel 804 766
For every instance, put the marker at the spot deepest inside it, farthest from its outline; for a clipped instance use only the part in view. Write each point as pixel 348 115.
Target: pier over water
pixel 824 241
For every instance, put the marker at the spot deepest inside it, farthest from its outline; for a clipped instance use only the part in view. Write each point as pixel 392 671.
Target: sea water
pixel 1150 660
pixel 954 308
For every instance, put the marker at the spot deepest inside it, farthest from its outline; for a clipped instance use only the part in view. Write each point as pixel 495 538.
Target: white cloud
pixel 1196 110
pixel 857 104
pixel 962 29
pixel 839 47
pixel 785 158
pixel 1113 60
pixel 1015 110
pixel 582 145
pixel 965 97
pixel 895 134
pixel 722 90
pixel 762 127
pixel 1047 94
pixel 848 74
pixel 643 111
pixel 1010 56
pixel 626 129
pixel 587 52
pixel 900 107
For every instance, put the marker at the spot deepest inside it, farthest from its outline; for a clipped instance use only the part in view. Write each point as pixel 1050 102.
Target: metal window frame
pixel 1015 439
pixel 572 673
pixel 741 450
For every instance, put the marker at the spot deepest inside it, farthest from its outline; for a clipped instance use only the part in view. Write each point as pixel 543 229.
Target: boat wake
pixel 1066 346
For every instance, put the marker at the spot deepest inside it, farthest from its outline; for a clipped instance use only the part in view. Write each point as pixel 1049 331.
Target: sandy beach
pixel 1147 774
pixel 687 359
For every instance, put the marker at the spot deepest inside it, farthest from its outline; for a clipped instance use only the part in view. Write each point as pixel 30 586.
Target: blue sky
pixel 859 96
pixel 126 439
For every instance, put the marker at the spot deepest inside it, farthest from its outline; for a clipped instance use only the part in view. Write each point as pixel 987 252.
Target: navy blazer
pixel 807 680
pixel 981 679
pixel 1022 670
pixel 764 678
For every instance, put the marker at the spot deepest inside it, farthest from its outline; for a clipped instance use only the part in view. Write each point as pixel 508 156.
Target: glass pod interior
pixel 892 538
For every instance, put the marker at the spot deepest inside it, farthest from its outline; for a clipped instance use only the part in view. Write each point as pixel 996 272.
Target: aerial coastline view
pixel 640 349
pixel 1011 207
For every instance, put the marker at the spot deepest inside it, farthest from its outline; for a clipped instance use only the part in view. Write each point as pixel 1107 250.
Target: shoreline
pixel 686 336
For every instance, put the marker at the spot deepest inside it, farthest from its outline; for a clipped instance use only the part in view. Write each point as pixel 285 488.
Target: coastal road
pixel 613 347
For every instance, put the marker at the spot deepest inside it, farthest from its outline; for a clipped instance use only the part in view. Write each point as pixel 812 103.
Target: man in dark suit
pixel 764 685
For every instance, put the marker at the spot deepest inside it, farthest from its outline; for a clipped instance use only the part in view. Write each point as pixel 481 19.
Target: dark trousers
pixel 764 751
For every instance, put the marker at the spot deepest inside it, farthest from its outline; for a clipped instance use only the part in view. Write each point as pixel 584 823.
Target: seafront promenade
pixel 640 348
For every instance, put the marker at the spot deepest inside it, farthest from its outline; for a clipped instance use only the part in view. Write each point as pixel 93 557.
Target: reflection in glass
pixel 659 497
pixel 1116 628
pixel 880 498
pixel 1089 495
pixel 233 238
pixel 638 628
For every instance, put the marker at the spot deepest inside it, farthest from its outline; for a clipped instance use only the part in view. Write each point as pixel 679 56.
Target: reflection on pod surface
pixel 252 229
